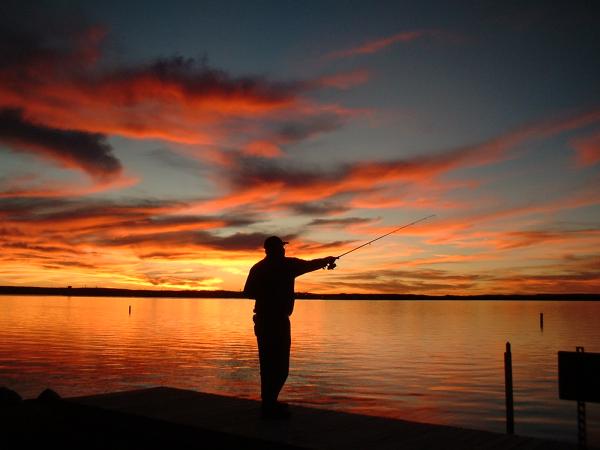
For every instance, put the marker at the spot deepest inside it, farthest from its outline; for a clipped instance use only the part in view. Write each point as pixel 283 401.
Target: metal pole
pixel 508 390
pixel 581 419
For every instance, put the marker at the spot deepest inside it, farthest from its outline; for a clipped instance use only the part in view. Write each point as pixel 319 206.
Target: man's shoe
pixel 275 411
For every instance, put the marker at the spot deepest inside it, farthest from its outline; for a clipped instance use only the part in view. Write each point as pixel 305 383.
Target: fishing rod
pixel 332 265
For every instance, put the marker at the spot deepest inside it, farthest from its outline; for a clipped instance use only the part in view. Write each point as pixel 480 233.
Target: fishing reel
pixel 331 265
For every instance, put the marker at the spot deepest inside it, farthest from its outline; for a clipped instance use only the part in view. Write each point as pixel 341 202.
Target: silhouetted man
pixel 271 283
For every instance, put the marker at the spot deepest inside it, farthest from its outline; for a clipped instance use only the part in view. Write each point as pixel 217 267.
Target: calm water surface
pixel 432 361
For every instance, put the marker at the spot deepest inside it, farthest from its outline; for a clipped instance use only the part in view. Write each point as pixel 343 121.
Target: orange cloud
pixel 56 82
pixel 277 184
pixel 564 276
pixel 308 123
pixel 448 259
pixel 172 100
pixel 19 187
pixel 490 274
pixel 380 44
pixel 345 80
pixel 468 229
pixel 91 240
pixel 587 150
pixel 516 239
pixel 263 148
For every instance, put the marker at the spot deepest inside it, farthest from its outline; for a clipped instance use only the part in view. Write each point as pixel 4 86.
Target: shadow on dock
pixel 180 419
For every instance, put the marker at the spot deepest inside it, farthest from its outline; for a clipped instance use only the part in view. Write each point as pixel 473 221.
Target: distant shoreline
pixel 111 292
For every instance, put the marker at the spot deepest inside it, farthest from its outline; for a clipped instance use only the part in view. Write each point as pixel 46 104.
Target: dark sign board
pixel 579 376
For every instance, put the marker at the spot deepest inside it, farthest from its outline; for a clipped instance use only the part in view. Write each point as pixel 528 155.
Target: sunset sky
pixel 155 145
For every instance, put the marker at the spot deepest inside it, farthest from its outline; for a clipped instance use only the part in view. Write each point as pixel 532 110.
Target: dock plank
pixel 308 427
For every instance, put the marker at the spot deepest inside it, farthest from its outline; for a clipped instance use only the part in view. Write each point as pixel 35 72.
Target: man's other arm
pixel 250 288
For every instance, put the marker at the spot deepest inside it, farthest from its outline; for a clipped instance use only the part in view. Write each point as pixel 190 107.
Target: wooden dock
pixel 308 428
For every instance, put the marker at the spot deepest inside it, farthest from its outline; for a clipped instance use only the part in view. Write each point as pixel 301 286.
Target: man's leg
pixel 268 371
pixel 267 355
pixel 282 356
pixel 274 351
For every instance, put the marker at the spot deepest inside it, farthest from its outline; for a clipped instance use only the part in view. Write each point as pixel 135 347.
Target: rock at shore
pixel 8 397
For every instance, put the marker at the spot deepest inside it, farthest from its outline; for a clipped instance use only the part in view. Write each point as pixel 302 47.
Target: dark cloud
pixel 249 171
pixel 134 217
pixel 70 49
pixel 152 222
pixel 185 280
pixel 65 233
pixel 89 152
pixel 333 246
pixel 423 275
pixel 39 248
pixel 293 130
pixel 227 220
pixel 71 94
pixel 196 78
pixel 303 129
pixel 342 222
pixel 44 44
pixel 399 287
pixel 240 241
pixel 407 281
pixel 318 208
pixel 587 261
pixel 15 207
pixel 178 161
pixel 57 264
pixel 18 49
pixel 584 276
pixel 172 255
pixel 190 239
pixel 581 277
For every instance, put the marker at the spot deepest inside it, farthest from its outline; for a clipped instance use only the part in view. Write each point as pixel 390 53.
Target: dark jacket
pixel 271 283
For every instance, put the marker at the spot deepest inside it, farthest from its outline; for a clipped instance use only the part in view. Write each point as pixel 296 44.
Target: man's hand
pixel 330 262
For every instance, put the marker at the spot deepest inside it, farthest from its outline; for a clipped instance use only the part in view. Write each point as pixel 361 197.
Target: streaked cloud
pixel 342 222
pixel 345 80
pixel 279 184
pixel 587 150
pixel 379 44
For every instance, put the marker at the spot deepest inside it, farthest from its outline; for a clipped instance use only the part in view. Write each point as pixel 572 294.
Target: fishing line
pixel 332 265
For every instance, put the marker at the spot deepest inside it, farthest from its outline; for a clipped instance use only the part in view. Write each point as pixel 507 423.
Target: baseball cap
pixel 274 242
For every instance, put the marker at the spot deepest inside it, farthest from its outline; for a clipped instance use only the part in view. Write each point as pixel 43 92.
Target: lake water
pixel 430 361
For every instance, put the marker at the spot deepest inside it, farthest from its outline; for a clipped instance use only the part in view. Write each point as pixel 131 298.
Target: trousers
pixel 273 335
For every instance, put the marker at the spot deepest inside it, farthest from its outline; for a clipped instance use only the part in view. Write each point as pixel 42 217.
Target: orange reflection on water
pixel 434 361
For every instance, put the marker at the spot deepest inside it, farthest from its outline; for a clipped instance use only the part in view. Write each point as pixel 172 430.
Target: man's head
pixel 274 246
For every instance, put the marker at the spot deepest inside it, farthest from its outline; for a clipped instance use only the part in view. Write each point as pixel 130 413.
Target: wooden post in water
pixel 508 390
pixel 129 309
pixel 541 321
pixel 581 419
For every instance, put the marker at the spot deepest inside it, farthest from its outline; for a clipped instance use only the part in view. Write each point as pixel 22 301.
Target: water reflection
pixel 438 362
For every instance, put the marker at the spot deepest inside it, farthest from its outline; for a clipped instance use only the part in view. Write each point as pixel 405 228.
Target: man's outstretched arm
pixel 305 266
